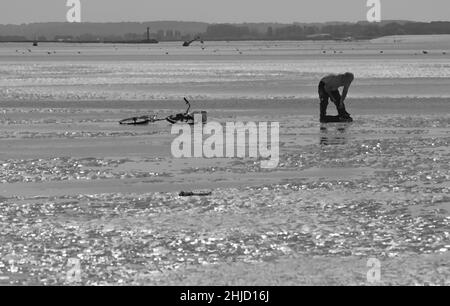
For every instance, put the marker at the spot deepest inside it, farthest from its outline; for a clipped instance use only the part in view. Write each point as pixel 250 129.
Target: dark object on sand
pixel 334 119
pixel 143 120
pixel 35 44
pixel 185 117
pixel 195 193
pixel 188 43
pixel 180 118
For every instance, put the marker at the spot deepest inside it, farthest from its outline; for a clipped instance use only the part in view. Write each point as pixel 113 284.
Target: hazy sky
pixel 24 11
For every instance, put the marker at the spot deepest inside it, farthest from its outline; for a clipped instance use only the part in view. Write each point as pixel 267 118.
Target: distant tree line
pixel 360 30
pixel 160 35
pixel 12 38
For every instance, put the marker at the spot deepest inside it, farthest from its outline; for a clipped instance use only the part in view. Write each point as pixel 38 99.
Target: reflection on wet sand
pixel 333 134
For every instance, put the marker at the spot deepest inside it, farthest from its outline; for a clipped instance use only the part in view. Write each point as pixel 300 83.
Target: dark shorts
pixel 324 96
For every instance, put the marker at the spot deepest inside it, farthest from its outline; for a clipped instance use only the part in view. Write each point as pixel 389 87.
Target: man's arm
pixel 344 94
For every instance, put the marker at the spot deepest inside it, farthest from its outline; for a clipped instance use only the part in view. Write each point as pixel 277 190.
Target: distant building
pixel 169 34
pixel 160 35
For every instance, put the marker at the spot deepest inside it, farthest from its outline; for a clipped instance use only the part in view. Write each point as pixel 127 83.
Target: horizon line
pixel 220 22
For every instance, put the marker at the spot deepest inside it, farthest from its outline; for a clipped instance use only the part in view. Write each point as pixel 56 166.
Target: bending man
pixel 329 89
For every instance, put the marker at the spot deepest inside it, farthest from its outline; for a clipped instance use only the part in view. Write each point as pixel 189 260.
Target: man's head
pixel 348 77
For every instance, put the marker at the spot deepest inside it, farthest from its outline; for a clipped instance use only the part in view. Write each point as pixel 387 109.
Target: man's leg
pixel 336 100
pixel 323 107
pixel 323 102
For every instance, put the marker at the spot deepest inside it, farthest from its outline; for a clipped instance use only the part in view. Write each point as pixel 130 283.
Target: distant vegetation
pixel 185 31
pixel 361 30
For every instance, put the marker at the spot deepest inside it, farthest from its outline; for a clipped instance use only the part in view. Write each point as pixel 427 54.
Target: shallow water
pixel 236 70
pixel 376 188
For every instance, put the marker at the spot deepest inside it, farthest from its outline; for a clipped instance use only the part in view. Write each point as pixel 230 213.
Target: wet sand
pixel 75 184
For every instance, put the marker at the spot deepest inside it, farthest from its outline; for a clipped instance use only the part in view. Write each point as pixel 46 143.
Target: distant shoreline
pixel 180 41
pixel 381 39
pixel 134 32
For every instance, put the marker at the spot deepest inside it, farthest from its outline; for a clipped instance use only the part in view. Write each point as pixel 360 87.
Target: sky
pixel 216 11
